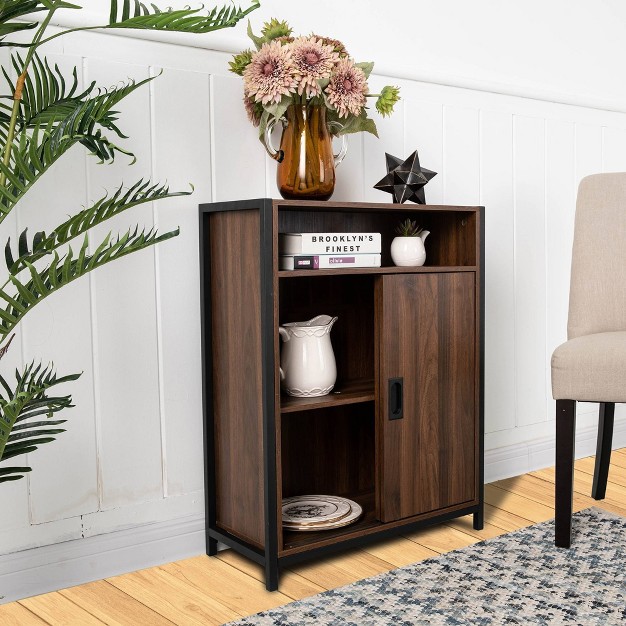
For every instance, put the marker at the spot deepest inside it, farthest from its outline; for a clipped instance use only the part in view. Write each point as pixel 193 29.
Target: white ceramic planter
pixel 307 362
pixel 409 251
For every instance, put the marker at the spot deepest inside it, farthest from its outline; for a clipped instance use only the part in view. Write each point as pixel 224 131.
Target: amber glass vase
pixel 306 163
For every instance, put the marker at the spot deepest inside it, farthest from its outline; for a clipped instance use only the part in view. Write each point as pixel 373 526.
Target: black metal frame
pixel 268 558
pixel 479 516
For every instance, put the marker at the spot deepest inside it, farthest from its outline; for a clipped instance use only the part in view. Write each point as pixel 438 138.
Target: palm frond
pixel 22 9
pixel 135 14
pixel 21 428
pixel 13 473
pixel 66 269
pixel 46 94
pixel 37 148
pixel 48 97
pixel 17 9
pixel 103 209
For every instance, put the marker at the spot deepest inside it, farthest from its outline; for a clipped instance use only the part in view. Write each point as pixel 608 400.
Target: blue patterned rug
pixel 518 578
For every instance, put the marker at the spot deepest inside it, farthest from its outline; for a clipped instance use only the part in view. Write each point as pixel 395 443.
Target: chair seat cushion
pixel 591 368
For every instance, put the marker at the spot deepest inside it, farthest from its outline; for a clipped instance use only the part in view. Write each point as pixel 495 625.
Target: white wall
pixel 133 451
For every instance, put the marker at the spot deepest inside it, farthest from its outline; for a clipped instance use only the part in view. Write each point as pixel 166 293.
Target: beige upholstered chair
pixel 591 365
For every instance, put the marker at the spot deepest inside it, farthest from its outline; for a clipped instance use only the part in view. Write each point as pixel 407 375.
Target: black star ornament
pixel 405 180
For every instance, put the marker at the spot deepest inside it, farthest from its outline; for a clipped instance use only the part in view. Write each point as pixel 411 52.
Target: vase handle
pixel 277 155
pixel 344 144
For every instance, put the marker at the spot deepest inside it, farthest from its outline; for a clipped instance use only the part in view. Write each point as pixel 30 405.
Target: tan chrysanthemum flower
pixel 336 45
pixel 313 61
pixel 271 74
pixel 254 109
pixel 347 88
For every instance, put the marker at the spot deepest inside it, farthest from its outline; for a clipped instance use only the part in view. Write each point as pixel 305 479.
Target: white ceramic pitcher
pixel 308 368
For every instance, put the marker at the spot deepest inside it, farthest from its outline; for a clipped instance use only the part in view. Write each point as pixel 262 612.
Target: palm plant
pixel 41 118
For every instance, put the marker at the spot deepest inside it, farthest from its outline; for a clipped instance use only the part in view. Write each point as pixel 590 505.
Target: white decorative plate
pixel 300 524
pixel 314 509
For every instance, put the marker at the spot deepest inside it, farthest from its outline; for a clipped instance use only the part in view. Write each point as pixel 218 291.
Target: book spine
pixel 328 261
pixel 329 243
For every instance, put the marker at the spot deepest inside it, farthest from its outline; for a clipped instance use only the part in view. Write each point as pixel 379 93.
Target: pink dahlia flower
pixel 347 88
pixel 254 109
pixel 271 74
pixel 313 61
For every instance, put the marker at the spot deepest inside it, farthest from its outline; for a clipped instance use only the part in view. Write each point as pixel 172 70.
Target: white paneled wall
pixel 133 451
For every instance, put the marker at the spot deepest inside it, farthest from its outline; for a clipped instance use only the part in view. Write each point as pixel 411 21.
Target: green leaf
pixel 135 14
pixel 100 211
pixel 359 124
pixel 323 82
pixel 46 96
pixel 39 144
pixel 278 109
pixel 17 9
pixel 367 68
pixel 8 474
pixel 44 282
pixel 21 430
pixel 353 124
pixel 257 41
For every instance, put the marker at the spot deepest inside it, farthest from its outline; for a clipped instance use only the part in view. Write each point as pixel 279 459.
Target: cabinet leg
pixel 211 546
pixel 271 574
pixel 479 518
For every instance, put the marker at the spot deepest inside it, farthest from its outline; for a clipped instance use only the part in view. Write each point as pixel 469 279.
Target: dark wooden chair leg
pixel 564 480
pixel 603 450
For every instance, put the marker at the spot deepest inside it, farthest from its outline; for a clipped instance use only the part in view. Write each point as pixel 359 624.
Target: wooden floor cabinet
pixel 401 433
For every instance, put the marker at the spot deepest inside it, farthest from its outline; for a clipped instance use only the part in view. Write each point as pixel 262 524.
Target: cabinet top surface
pixel 266 204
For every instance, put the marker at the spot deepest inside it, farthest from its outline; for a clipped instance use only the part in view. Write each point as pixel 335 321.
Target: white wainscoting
pixel 132 455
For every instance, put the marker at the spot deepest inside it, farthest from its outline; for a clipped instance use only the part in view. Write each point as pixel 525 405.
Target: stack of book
pixel 314 251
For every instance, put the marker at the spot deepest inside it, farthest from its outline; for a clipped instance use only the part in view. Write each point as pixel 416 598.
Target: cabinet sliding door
pixel 427 423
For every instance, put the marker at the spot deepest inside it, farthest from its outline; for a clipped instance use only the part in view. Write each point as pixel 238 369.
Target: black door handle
pixel 395 393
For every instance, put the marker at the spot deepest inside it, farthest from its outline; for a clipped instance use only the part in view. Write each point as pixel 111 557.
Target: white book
pixel 328 243
pixel 327 261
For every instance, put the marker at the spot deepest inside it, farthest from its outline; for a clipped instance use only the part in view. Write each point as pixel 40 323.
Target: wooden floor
pixel 206 590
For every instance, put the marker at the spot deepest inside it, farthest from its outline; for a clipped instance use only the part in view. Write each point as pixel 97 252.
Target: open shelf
pixel 294 541
pixel 351 392
pixel 428 269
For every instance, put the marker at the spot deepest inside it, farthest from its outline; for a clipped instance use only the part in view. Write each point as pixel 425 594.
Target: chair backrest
pixel 597 301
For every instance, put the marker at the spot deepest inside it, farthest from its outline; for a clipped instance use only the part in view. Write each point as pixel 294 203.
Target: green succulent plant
pixel 408 228
pixel 43 114
pixel 275 28
pixel 387 100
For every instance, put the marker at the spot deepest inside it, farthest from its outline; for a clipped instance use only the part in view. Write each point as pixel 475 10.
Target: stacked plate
pixel 310 513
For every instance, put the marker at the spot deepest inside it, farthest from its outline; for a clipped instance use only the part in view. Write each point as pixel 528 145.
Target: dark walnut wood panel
pixel 425 328
pixel 350 392
pixel 328 451
pixel 236 349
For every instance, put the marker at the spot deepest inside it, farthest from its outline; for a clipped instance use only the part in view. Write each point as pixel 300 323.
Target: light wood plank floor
pixel 206 590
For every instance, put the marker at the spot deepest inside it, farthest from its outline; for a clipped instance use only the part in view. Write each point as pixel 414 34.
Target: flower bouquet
pixel 314 88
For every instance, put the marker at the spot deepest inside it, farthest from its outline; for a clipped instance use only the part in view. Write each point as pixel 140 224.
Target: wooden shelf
pixel 351 392
pixel 424 269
